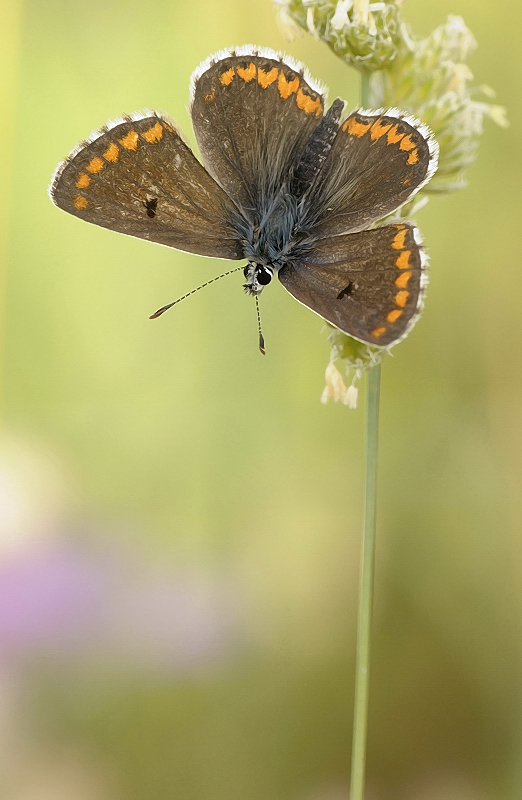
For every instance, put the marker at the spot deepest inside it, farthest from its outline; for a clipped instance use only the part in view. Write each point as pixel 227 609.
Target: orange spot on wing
pixel 80 202
pixel 402 280
pixel 227 77
pixel 248 74
pixel 355 128
pixel 398 239
pixel 286 87
pixel 403 261
pixel 264 78
pixel 401 298
pixel 112 153
pixel 378 332
pixel 393 135
pixel 307 104
pixel 406 181
pixel 154 134
pixel 130 141
pixel 393 316
pixel 406 143
pixel 378 129
pixel 83 181
pixel 208 98
pixel 95 165
pixel 413 157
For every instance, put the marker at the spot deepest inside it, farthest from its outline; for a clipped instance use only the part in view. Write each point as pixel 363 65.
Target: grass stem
pixel 362 664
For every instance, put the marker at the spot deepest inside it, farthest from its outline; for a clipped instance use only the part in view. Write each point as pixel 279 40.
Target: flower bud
pixel 367 35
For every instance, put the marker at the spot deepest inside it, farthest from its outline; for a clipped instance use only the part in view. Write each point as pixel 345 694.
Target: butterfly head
pixel 257 277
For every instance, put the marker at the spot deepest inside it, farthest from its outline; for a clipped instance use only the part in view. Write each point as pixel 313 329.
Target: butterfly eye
pixel 263 275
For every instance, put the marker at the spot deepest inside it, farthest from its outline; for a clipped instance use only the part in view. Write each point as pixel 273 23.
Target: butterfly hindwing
pixel 367 284
pixel 376 163
pixel 139 177
pixel 253 114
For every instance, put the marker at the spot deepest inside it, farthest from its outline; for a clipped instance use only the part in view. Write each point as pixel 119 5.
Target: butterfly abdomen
pixel 316 150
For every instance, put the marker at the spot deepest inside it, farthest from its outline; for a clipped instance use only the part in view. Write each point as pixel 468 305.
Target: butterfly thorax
pixel 271 239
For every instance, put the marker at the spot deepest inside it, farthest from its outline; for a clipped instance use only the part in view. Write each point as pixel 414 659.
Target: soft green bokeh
pixel 177 442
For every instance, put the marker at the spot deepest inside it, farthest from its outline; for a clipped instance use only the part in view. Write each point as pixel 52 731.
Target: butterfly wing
pixel 376 163
pixel 139 177
pixel 367 284
pixel 253 114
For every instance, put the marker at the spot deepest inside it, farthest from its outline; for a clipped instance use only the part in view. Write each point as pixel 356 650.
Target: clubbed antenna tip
pixel 261 338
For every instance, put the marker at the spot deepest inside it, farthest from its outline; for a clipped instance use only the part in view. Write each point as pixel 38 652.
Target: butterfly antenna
pixel 261 339
pixel 207 283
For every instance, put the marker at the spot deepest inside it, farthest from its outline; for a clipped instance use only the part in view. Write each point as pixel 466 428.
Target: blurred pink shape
pixel 47 597
pixel 65 602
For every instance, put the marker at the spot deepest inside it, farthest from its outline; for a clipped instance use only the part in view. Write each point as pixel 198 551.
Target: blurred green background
pixel 180 518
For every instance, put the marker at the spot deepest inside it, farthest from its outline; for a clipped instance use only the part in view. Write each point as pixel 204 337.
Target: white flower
pixel 340 19
pixel 335 389
pixel 287 24
pixel 361 12
pixel 459 41
pixel 499 115
pixel 310 23
pixel 350 399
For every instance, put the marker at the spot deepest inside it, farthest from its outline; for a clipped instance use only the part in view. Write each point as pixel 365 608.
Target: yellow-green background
pixel 173 448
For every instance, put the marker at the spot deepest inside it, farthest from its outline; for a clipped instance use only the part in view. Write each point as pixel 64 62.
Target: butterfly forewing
pixel 140 178
pixel 375 164
pixel 368 284
pixel 252 115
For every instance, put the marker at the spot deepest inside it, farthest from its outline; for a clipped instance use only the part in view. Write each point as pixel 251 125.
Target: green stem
pixel 364 624
pixel 365 90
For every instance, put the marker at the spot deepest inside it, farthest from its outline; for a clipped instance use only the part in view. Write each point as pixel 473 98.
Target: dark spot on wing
pixel 151 205
pixel 346 291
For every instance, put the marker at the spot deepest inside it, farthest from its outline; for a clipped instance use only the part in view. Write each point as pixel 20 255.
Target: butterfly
pixel 292 188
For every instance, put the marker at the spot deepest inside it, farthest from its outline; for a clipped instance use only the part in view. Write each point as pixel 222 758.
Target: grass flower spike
pixel 431 79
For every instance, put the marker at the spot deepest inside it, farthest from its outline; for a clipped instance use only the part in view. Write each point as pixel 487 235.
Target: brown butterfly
pixel 291 188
